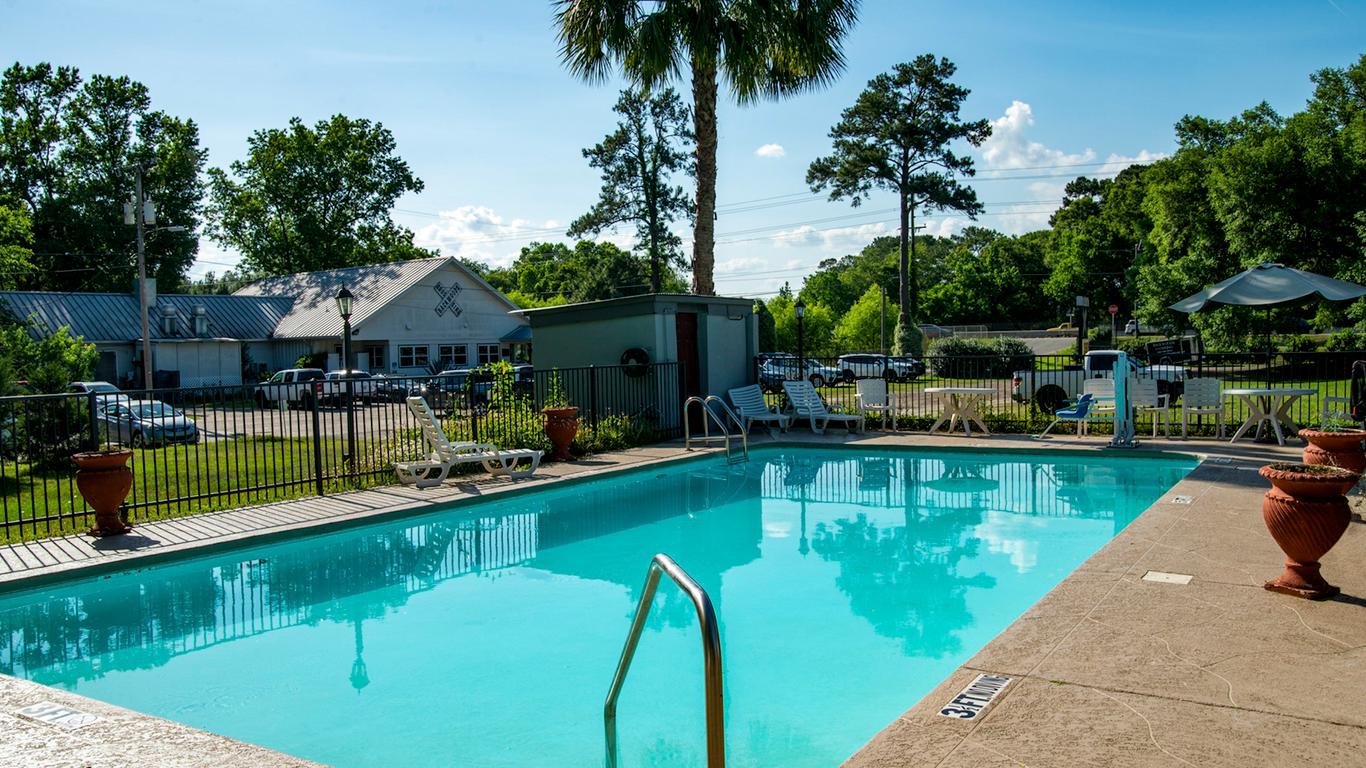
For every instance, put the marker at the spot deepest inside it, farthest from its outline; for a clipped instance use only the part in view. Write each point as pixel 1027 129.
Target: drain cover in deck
pixel 1162 577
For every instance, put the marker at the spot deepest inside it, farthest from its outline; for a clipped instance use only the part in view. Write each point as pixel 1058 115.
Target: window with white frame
pixel 488 353
pixel 453 355
pixel 412 356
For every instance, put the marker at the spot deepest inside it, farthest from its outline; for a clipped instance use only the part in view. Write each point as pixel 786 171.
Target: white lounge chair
pixel 515 463
pixel 873 398
pixel 1102 392
pixel 807 404
pixel 750 406
pixel 1202 397
pixel 1145 399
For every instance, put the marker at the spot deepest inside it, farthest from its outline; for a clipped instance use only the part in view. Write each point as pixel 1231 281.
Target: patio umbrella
pixel 1268 286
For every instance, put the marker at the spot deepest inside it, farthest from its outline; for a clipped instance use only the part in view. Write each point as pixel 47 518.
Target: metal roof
pixel 114 316
pixel 520 333
pixel 314 314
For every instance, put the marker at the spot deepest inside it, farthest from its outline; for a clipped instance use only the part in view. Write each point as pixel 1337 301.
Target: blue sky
pixel 484 113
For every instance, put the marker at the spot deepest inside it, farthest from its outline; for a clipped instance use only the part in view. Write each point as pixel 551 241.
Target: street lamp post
pixel 139 218
pixel 800 308
pixel 344 299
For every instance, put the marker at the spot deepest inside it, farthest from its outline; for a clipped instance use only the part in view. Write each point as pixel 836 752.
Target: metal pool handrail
pixel 711 656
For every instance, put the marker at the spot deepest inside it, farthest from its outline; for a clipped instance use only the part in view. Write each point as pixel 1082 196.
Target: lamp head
pixel 800 307
pixel 344 299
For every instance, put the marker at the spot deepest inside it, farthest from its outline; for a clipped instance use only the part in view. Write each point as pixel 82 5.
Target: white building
pixel 410 317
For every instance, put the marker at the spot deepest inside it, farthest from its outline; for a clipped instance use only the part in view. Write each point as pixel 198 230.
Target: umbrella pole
pixel 1268 347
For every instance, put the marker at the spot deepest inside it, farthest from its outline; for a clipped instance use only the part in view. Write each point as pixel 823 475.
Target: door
pixel 685 330
pixel 107 369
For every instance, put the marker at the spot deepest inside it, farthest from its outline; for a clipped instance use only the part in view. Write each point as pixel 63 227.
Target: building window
pixel 453 355
pixel 410 356
pixel 488 353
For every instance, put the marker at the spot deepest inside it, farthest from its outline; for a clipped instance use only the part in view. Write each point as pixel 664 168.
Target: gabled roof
pixel 314 314
pixel 114 316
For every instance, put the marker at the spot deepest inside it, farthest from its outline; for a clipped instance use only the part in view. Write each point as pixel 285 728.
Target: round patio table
pixel 1269 406
pixel 959 403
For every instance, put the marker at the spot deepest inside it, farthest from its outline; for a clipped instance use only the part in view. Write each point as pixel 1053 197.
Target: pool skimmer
pixel 1162 577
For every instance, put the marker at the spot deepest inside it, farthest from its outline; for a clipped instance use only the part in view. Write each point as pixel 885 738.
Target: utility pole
pixel 882 322
pixel 139 219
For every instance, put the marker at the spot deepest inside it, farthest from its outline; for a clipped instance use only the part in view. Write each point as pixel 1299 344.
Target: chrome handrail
pixel 709 417
pixel 711 657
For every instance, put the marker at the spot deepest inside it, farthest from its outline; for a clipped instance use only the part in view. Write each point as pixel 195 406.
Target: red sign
pixel 1114 309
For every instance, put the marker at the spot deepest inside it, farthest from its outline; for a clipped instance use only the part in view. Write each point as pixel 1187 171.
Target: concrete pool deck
pixel 1107 669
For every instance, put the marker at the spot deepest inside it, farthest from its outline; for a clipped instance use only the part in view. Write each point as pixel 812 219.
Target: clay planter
pixel 1340 448
pixel 561 425
pixel 1306 513
pixel 104 480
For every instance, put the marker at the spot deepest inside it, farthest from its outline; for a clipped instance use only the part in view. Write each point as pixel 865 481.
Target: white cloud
pixel 771 150
pixel 838 239
pixel 1008 147
pixel 478 232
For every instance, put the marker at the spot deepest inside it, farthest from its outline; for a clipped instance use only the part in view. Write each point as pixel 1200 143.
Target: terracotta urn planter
pixel 561 425
pixel 1306 513
pixel 104 480
pixel 1336 448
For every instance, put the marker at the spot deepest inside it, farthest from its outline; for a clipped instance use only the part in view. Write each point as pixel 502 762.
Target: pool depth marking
pixel 973 700
pixel 58 715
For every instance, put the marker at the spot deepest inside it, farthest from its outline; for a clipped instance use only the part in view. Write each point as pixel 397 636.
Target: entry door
pixel 107 369
pixel 685 326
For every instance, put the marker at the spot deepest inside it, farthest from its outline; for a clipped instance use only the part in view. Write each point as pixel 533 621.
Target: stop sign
pixel 1114 309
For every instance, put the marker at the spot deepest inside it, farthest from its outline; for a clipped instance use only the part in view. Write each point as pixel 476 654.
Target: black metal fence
pixel 1023 391
pixel 204 448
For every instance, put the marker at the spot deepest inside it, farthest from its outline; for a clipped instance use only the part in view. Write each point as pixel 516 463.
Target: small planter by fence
pixel 104 480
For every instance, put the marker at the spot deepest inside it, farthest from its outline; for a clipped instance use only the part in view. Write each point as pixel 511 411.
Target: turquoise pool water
pixel 847 585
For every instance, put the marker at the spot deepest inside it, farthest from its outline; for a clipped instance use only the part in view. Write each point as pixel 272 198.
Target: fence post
pixel 593 395
pixel 469 407
pixel 94 427
pixel 317 447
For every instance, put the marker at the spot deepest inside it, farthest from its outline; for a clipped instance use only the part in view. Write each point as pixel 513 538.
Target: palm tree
pixel 762 48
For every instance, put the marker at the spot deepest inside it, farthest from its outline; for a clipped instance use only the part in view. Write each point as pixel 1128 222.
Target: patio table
pixel 959 403
pixel 1269 406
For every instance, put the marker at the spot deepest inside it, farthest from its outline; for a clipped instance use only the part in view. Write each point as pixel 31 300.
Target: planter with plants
pixel 1335 447
pixel 1306 512
pixel 561 420
pixel 104 480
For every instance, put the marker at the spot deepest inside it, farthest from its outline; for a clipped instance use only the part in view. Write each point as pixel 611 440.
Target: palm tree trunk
pixel 704 125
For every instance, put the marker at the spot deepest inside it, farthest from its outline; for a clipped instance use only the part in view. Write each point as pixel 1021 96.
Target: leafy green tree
pixel 637 161
pixel 897 137
pixel 16 245
pixel 761 48
pixel 313 198
pixel 768 332
pixel 818 326
pixel 67 150
pixel 48 359
pixel 545 274
pixel 861 327
pixel 993 279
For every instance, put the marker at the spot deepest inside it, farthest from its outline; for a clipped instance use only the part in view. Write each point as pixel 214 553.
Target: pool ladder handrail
pixel 707 437
pixel 711 658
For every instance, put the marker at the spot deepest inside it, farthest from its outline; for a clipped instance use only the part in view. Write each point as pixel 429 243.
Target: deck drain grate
pixel 1162 577
pixel 58 715
pixel 1182 499
pixel 1220 460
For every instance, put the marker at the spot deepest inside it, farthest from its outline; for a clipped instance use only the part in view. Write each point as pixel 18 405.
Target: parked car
pixel 1131 327
pixel 876 366
pixel 296 386
pixel 446 389
pixel 1063 328
pixel 105 392
pixel 773 373
pixel 142 423
pixel 1049 390
pixel 390 389
pixel 363 387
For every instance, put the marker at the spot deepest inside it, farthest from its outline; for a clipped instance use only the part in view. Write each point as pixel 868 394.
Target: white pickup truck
pixel 296 386
pixel 1050 390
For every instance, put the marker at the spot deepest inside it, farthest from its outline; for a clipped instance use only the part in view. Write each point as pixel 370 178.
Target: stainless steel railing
pixel 711 658
pixel 709 417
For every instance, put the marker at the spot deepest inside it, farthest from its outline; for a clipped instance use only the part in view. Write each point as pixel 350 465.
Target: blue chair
pixel 1077 412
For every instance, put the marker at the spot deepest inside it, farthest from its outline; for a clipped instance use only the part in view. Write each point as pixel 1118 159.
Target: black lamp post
pixel 800 308
pixel 344 299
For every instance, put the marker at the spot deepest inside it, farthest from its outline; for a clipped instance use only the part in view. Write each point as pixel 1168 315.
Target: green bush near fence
pixel 956 357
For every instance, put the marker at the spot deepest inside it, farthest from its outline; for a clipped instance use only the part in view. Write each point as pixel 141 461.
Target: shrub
pixel 1346 340
pixel 957 357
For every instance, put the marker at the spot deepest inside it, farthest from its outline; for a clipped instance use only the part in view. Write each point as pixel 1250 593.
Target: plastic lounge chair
pixel 1145 399
pixel 1202 397
pixel 872 398
pixel 1102 392
pixel 1077 412
pixel 750 406
pixel 1334 408
pixel 807 404
pixel 445 454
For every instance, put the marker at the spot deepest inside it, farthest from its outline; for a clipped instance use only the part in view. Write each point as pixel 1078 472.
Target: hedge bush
pixel 956 357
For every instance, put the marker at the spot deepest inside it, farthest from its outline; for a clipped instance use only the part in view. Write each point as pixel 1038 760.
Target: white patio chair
pixel 750 406
pixel 1202 397
pixel 873 398
pixel 445 454
pixel 1334 409
pixel 1145 399
pixel 807 404
pixel 1102 392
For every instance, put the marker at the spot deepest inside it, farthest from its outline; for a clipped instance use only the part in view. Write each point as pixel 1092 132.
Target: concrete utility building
pixel 409 317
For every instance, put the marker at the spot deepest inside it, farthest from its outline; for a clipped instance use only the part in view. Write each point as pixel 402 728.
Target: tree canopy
pixel 638 161
pixel 68 146
pixel 554 273
pixel 313 198
pixel 898 137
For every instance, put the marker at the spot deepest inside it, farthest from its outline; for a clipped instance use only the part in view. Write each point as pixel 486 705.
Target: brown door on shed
pixel 685 330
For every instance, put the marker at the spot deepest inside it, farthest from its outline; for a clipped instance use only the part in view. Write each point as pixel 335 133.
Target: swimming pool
pixel 847 583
